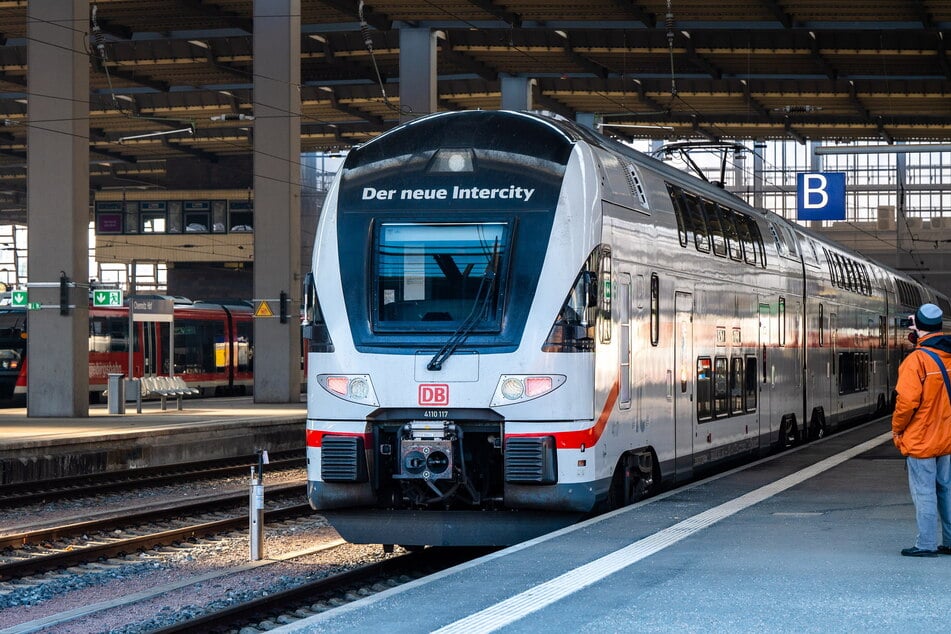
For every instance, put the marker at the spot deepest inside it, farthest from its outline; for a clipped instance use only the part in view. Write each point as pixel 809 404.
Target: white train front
pixel 515 322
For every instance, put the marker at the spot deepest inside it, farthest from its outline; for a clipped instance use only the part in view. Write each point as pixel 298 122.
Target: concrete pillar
pixel 277 373
pixel 417 73
pixel 517 93
pixel 58 206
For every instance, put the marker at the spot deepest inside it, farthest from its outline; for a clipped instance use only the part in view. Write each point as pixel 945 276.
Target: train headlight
pixel 512 389
pixel 356 388
pixel 518 388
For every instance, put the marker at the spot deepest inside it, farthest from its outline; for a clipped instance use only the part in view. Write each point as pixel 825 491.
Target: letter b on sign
pixel 820 196
pixel 434 394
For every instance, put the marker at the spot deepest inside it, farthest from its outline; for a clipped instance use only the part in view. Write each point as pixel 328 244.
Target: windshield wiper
pixel 480 307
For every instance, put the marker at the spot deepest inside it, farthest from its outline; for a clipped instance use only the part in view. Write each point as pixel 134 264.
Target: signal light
pixel 283 307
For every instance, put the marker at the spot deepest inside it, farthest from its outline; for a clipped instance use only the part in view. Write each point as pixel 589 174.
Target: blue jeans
pixel 930 482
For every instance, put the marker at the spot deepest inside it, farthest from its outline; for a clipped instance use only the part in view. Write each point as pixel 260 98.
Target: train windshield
pixel 440 277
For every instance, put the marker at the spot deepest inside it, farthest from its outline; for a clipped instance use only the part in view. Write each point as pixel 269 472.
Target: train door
pixel 151 343
pixel 767 372
pixel 683 387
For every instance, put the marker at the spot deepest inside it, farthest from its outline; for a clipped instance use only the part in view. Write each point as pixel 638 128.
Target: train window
pixel 244 346
pixel 850 274
pixel 734 248
pixel 746 238
pixel 108 334
pixel 704 389
pixel 701 234
pixel 716 229
pixel 780 245
pixel 604 295
pixel 737 386
pixel 750 384
pixel 853 372
pixel 757 237
pixel 676 199
pixel 199 346
pixel 882 331
pixel 841 271
pixel 655 309
pixel 438 275
pixel 832 276
pixel 721 389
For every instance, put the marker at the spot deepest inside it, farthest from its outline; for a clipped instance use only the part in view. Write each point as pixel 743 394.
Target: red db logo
pixel 434 394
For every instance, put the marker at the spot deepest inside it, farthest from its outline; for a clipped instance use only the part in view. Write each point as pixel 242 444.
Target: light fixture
pixel 190 130
pixel 318 38
pixel 199 43
pixel 233 116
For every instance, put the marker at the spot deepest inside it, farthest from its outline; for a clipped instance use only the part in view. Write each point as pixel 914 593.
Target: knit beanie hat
pixel 928 318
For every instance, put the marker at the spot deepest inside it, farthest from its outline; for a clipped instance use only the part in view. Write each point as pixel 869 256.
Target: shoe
pixel 914 551
pixel 944 550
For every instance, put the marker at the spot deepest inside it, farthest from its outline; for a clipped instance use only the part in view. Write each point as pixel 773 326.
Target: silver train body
pixel 515 322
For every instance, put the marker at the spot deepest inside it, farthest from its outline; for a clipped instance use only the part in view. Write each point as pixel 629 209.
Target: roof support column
pixel 58 206
pixel 277 166
pixel 417 72
pixel 517 93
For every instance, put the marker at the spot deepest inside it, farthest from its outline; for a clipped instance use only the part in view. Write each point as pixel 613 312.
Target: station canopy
pixel 174 79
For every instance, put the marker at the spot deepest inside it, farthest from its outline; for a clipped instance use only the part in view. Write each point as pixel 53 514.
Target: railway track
pixel 57 547
pixel 266 612
pixel 19 494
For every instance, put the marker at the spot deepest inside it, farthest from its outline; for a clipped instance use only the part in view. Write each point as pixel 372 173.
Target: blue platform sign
pixel 820 196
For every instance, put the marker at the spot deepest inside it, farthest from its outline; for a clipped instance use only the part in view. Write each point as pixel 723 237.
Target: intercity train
pixel 515 322
pixel 213 348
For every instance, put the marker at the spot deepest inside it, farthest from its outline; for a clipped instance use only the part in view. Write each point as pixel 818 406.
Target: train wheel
pixel 633 480
pixel 788 434
pixel 817 429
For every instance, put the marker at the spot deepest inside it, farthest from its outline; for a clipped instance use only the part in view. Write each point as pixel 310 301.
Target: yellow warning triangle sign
pixel 263 310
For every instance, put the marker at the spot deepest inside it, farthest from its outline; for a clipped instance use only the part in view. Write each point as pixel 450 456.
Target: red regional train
pixel 213 348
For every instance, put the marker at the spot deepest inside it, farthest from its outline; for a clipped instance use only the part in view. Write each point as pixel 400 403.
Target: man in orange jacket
pixel 921 426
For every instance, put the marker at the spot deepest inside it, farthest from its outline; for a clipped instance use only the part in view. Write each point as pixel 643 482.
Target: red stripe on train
pixel 587 437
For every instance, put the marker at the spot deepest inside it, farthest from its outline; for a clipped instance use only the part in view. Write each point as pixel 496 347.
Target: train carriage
pixel 515 322
pixel 213 348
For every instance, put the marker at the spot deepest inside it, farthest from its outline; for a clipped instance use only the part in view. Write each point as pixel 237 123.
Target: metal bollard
pixel 256 508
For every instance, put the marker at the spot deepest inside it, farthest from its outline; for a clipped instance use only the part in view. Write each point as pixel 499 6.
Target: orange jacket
pixel 921 423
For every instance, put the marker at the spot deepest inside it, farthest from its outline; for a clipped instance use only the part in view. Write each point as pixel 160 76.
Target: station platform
pixel 808 540
pixel 33 448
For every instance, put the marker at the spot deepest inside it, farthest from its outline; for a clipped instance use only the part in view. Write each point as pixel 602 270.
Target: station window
pixel 240 216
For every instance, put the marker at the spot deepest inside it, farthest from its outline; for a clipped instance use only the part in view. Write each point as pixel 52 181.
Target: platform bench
pixel 163 387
